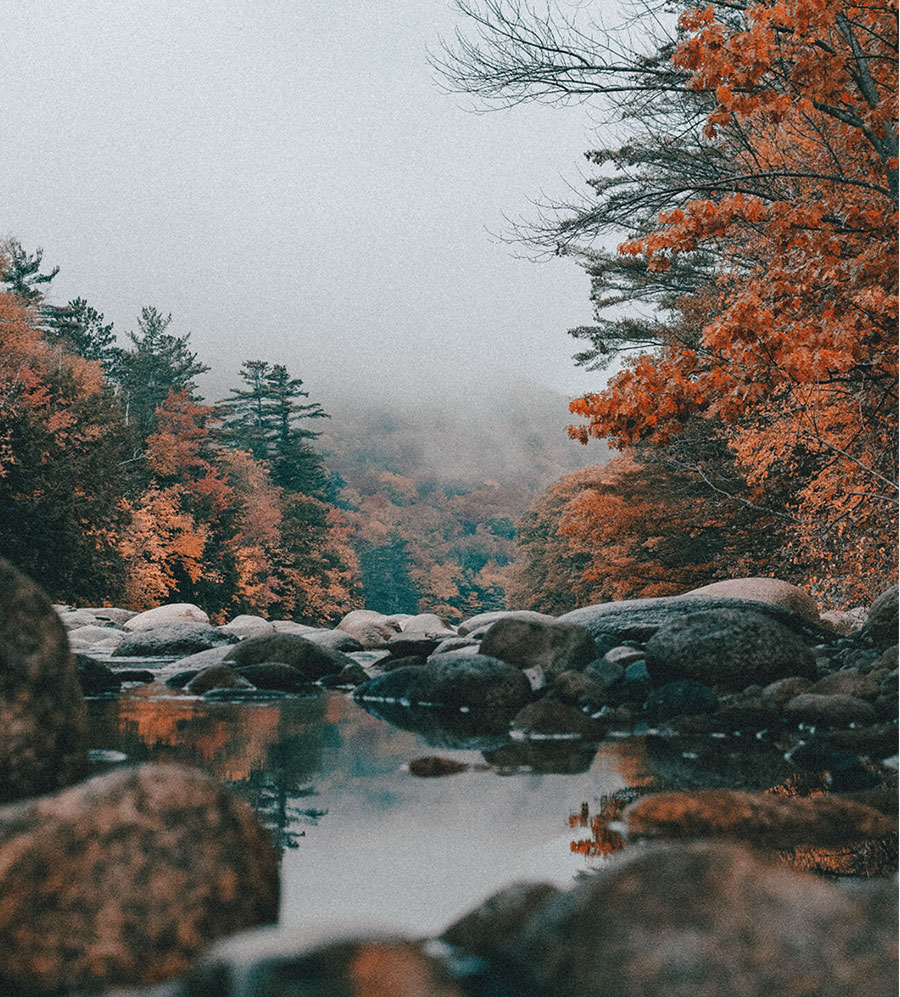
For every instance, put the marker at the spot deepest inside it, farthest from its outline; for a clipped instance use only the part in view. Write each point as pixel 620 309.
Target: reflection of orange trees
pixel 603 841
pixel 628 758
pixel 230 746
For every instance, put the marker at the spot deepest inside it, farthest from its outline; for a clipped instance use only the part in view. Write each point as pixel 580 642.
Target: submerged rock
pixel 124 879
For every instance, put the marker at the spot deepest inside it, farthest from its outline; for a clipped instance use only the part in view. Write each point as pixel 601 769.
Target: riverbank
pixel 729 764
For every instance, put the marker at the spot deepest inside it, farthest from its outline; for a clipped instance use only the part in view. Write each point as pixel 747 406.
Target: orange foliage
pixel 797 354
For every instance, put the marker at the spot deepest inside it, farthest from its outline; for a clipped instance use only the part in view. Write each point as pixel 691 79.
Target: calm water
pixel 365 842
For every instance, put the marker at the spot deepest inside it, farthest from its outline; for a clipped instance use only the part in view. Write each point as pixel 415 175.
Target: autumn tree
pixel 757 190
pixel 62 443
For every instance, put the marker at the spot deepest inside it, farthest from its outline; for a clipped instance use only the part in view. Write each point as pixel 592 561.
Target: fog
pixel 290 182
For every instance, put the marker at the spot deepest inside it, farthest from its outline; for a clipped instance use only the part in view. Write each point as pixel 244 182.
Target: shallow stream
pixel 366 843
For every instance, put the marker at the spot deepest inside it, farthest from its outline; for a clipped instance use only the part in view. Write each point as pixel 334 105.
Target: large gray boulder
pixel 453 680
pixel 311 660
pixel 553 647
pixel 881 623
pixel 728 649
pixel 164 639
pixel 705 919
pixel 121 881
pixel 483 620
pixel 172 612
pixel 43 724
pixel 639 619
pixel 772 591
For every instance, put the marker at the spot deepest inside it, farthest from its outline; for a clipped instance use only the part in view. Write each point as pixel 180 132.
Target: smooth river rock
pixel 124 879
pixel 43 724
pixel 639 619
pixel 728 649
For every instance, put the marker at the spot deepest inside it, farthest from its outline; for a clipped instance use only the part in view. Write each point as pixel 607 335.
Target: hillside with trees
pixel 120 484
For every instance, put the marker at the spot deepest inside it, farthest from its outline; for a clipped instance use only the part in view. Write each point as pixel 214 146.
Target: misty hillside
pixel 515 435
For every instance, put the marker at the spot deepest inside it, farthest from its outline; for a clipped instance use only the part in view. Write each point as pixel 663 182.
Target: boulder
pixel 727 649
pixel 111 614
pixel 168 639
pixel 577 689
pixel 413 644
pixel 485 929
pixel 456 644
pixel 483 620
pixel 881 623
pixel 72 619
pixel 215 677
pixel 845 621
pixel 290 627
pixel 95 677
pixel 93 634
pixel 336 640
pixel 782 690
pixel 605 673
pixel 43 724
pixel 706 919
pixel 373 630
pixel 623 655
pixel 772 591
pixel 639 619
pixel 121 881
pixel 846 683
pixel 312 660
pixel 765 819
pixel 451 681
pixel 832 711
pixel 248 626
pixel 553 647
pixel 202 659
pixel 174 612
pixel 427 623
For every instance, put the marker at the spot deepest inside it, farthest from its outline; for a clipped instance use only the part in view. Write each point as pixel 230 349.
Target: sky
pixel 287 178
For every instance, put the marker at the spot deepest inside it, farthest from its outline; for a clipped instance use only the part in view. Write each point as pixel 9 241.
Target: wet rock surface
pixel 728 649
pixel 124 879
pixel 705 919
pixel 43 733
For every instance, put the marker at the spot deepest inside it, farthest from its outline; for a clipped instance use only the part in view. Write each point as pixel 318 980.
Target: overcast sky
pixel 287 178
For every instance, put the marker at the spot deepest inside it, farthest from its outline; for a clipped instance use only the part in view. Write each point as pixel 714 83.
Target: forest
pixel 739 243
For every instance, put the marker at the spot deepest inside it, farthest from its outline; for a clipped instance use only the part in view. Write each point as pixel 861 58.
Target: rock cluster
pixel 123 878
pixel 686 909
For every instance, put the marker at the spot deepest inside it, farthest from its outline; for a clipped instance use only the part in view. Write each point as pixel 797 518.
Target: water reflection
pixel 377 846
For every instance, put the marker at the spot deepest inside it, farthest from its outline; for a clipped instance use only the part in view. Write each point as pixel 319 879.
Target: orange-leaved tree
pixel 62 447
pixel 795 351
